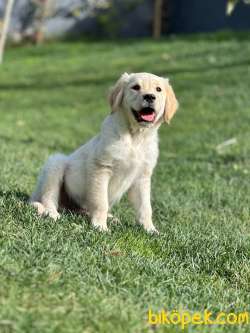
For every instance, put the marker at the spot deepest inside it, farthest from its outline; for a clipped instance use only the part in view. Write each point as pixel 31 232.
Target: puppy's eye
pixel 158 89
pixel 136 87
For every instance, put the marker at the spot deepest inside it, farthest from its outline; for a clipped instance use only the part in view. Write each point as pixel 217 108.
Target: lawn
pixel 66 277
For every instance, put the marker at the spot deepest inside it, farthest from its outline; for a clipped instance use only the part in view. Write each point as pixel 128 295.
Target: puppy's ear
pixel 171 105
pixel 116 93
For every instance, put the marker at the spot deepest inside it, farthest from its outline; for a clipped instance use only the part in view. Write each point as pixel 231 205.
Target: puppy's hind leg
pixel 46 195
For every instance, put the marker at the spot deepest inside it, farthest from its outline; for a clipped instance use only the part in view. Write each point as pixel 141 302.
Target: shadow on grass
pixel 8 139
pixel 222 36
pixel 199 69
pixel 10 197
pixel 14 194
pixel 38 84
pixel 57 84
pixel 42 144
pixel 229 159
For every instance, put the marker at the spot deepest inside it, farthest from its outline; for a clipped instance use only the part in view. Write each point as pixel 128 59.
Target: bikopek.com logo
pixel 186 318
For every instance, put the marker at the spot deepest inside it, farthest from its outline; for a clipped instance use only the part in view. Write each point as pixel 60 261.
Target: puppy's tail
pixel 49 183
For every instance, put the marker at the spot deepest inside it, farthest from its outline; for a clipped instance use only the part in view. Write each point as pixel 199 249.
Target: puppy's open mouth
pixel 146 114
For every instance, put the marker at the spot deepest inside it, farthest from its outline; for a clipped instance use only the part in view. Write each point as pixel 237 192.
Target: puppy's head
pixel 146 99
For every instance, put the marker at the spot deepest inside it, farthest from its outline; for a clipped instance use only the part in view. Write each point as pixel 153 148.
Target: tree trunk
pixel 43 12
pixel 6 22
pixel 157 29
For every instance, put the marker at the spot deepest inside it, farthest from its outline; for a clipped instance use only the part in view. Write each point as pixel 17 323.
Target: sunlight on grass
pixel 66 277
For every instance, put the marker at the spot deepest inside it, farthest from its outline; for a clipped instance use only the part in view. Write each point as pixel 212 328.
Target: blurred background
pixel 36 20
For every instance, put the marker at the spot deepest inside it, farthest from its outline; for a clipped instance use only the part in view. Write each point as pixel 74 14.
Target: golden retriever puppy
pixel 120 159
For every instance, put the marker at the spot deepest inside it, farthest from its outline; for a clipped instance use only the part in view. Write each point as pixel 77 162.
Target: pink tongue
pixel 148 117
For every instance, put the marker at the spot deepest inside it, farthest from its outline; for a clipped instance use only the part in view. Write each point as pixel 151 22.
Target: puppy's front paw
pixel 44 211
pixel 100 227
pixel 52 214
pixel 99 221
pixel 113 219
pixel 39 207
pixel 151 230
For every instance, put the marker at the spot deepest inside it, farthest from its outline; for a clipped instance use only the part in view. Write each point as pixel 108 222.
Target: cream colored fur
pixel 120 159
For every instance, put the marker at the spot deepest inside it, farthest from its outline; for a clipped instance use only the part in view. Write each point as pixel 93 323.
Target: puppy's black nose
pixel 149 97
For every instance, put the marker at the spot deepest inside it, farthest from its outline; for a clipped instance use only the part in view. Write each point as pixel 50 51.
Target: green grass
pixel 66 277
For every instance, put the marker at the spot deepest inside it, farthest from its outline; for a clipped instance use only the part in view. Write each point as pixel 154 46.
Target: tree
pixel 232 3
pixel 157 25
pixel 5 27
pixel 47 8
